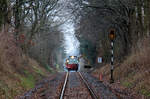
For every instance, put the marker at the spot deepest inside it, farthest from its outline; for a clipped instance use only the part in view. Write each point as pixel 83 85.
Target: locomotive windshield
pixel 73 60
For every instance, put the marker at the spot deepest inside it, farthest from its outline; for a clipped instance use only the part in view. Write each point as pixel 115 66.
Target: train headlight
pixel 72 57
pixel 67 61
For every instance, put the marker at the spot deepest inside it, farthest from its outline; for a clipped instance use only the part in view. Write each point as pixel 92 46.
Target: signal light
pixel 112 34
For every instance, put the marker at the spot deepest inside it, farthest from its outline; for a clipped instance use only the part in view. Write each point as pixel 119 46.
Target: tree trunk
pixel 148 33
pixel 3 13
pixel 139 10
pixel 17 18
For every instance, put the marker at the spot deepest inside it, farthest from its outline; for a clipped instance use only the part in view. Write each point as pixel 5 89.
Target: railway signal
pixel 112 34
pixel 112 37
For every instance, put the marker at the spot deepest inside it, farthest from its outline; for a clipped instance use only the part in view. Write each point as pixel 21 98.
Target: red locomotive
pixel 72 63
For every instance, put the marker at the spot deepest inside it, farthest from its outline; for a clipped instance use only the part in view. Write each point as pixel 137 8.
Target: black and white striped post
pixel 112 37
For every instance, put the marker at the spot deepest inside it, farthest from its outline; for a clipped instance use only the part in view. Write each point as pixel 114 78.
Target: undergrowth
pixel 18 72
pixel 134 72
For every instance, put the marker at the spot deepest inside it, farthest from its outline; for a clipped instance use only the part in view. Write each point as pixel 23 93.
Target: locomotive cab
pixel 72 63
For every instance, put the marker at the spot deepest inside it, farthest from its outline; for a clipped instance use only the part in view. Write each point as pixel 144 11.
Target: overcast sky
pixel 71 43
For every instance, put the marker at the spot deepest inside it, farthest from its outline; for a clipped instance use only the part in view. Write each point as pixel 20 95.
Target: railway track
pixel 64 86
pixel 83 82
pixel 92 93
pixel 70 85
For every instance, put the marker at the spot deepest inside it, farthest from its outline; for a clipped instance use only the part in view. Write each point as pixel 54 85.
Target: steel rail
pixel 92 93
pixel 64 86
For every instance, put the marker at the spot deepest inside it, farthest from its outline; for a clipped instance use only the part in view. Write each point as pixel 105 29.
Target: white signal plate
pixel 100 60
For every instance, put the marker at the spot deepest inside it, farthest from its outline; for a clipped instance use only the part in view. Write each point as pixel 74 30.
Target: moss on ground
pixel 38 70
pixel 126 84
pixel 145 92
pixel 49 69
pixel 28 81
